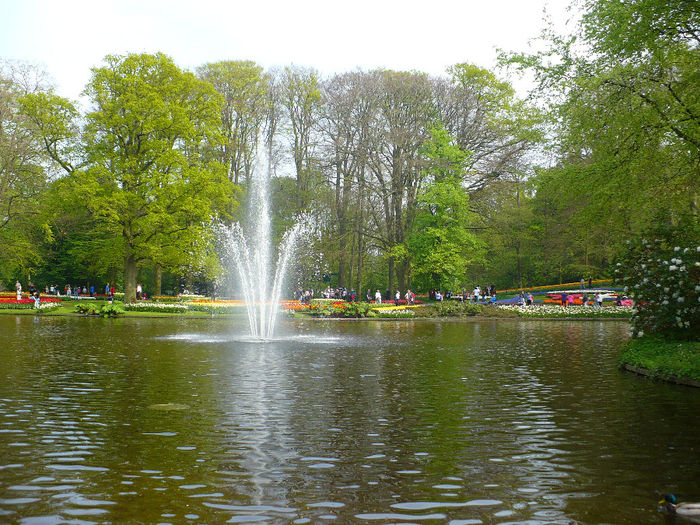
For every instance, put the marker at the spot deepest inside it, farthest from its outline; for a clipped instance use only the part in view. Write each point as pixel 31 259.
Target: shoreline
pixel 657 376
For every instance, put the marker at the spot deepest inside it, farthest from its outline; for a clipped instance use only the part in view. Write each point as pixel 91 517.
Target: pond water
pixel 177 421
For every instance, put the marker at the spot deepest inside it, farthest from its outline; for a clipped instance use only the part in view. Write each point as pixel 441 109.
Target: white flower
pixel 681 299
pixel 644 266
pixel 673 267
pixel 676 248
pixel 640 333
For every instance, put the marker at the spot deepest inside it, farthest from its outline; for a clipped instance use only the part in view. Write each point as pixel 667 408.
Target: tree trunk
pixel 392 268
pixel 158 280
pixel 129 278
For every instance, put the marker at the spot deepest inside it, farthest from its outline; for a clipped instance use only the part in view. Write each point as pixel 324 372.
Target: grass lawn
pixel 663 357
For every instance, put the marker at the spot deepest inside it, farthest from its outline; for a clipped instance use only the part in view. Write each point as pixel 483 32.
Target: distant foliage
pixel 662 273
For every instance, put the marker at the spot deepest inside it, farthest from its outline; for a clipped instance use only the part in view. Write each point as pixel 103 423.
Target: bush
pixel 87 309
pixel 112 310
pixel 357 310
pixel 661 271
pixel 453 309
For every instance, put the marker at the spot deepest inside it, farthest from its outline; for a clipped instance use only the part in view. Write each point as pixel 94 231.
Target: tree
pixel 441 242
pixel 300 96
pixel 405 113
pixel 348 112
pixel 244 89
pixel 23 177
pixel 142 176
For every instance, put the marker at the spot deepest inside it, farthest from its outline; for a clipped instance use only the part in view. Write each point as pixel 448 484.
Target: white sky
pixel 68 37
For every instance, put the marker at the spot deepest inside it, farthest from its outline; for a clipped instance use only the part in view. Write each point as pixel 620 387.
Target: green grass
pixel 663 357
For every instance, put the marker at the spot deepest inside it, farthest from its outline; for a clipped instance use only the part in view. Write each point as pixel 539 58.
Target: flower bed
pixel 156 307
pixel 216 308
pixel 216 302
pixel 555 311
pixel 28 304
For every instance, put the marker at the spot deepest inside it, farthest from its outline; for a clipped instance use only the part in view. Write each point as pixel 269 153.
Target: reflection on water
pixel 372 422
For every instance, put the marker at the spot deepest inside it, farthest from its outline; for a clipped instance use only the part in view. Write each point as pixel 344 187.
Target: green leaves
pixel 441 243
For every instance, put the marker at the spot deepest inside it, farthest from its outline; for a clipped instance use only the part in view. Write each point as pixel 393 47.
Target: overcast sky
pixel 68 37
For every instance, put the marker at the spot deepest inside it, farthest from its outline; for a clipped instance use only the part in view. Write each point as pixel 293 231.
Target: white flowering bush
pixel 558 311
pixel 662 274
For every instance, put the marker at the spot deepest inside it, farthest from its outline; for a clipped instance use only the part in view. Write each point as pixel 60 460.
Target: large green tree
pixel 23 177
pixel 141 172
pixel 442 243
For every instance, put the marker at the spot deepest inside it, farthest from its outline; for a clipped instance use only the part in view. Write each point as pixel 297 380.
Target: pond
pixel 177 421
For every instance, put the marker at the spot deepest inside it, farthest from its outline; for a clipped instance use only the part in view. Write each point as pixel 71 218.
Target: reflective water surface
pixel 177 421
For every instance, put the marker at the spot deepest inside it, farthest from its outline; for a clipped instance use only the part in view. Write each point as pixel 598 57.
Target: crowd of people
pixel 568 299
pixel 479 293
pixel 74 291
pixel 342 293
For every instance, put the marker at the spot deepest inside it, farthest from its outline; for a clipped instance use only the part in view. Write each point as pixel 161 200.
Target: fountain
pixel 249 250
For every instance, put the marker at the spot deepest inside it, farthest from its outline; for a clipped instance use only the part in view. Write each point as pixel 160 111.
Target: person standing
pixel 18 289
pixel 139 290
pixel 397 297
pixel 564 299
pixel 378 297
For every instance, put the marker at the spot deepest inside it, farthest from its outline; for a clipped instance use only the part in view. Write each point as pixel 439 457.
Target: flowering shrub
pixel 558 311
pixel 663 276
